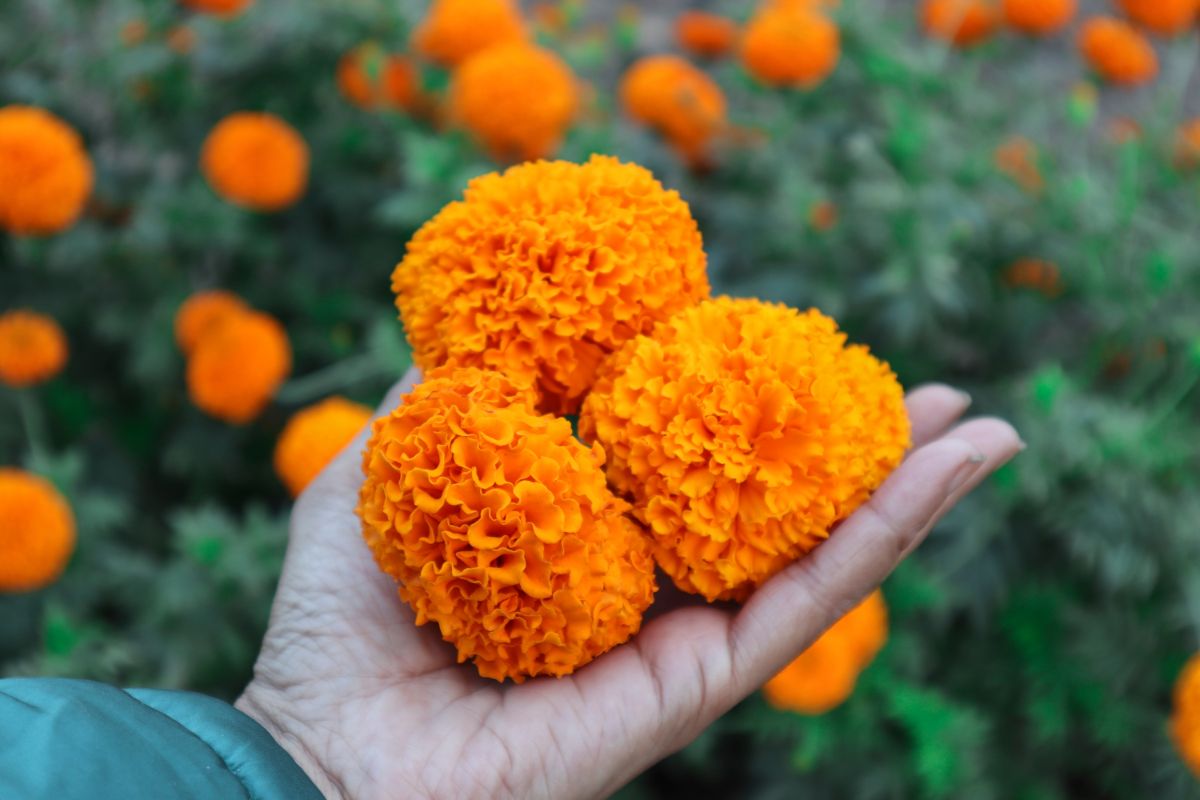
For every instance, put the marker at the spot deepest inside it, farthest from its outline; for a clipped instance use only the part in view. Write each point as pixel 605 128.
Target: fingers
pixel 932 409
pixel 793 608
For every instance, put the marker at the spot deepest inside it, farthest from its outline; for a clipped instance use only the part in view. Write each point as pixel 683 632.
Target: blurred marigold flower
pixel 454 30
pixel 1036 274
pixel 1039 17
pixel 45 174
pixel 742 431
pixel 786 45
pixel 201 313
pixel 1122 130
pixel 543 270
pixel 1185 716
pixel 1017 157
pixel 518 100
pixel 824 675
pixel 368 77
pixel 235 369
pixel 964 23
pixel 220 8
pixel 1165 17
pixel 37 532
pixel 1117 52
pixel 313 437
pixel 678 100
pixel 822 216
pixel 181 39
pixel 1187 145
pixel 256 160
pixel 705 34
pixel 499 527
pixel 133 32
pixel 33 348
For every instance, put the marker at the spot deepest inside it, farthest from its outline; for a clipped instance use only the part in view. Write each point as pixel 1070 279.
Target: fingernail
pixel 966 471
pixel 965 398
pixel 1022 446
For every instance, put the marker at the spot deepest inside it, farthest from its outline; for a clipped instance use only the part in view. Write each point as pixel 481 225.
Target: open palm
pixel 372 706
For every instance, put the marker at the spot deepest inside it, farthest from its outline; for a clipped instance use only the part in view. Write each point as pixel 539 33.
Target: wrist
pixel 263 706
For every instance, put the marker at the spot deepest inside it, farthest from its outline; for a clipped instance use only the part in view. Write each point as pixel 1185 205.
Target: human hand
pixel 373 707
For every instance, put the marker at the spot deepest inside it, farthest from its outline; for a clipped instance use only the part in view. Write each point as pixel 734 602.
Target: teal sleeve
pixel 67 739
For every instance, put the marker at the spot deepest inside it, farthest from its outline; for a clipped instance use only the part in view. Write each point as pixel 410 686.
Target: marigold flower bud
pixel 33 348
pixel 37 532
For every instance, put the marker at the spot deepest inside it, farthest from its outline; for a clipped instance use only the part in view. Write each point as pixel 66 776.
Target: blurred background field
pixel 997 217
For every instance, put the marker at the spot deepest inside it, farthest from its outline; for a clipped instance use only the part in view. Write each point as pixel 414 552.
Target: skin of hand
pixel 373 707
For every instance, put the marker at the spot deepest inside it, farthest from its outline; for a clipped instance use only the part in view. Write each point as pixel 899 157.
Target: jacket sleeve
pixel 67 739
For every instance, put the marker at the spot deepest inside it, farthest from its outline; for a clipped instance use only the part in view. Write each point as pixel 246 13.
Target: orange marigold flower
pixel 962 22
pixel 1017 157
pixel 133 32
pixel 220 8
pixel 517 99
pixel 201 313
pixel 743 431
pixel 1185 717
pixel 1166 17
pixel 181 39
pixel 454 30
pixel 1039 17
pixel 543 270
pixel 313 437
pixel 678 100
pixel 368 77
pixel 45 174
pixel 1033 273
pixel 256 160
pixel 1117 52
pixel 1122 130
pixel 823 216
pixel 1187 145
pixel 37 532
pixel 236 368
pixel 499 527
pixel 33 348
pixel 791 46
pixel 823 676
pixel 706 34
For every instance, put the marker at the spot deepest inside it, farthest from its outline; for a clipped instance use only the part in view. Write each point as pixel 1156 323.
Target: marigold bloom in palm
pixel 369 78
pixel 1017 157
pixel 1165 17
pixel 705 34
pixel 824 675
pixel 37 532
pixel 202 313
pixel 33 348
pixel 1185 716
pixel 743 431
pixel 313 437
pixel 499 527
pixel 791 46
pixel 256 160
pixel 236 367
pixel 454 30
pixel 962 22
pixel 45 174
pixel 220 8
pixel 516 99
pixel 678 100
pixel 1039 17
pixel 1117 52
pixel 1036 274
pixel 543 270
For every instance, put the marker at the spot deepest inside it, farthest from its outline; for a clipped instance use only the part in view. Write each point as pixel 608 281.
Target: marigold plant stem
pixel 331 379
pixel 32 423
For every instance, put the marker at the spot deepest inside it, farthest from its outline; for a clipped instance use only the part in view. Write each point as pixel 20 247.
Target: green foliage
pixel 1034 639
